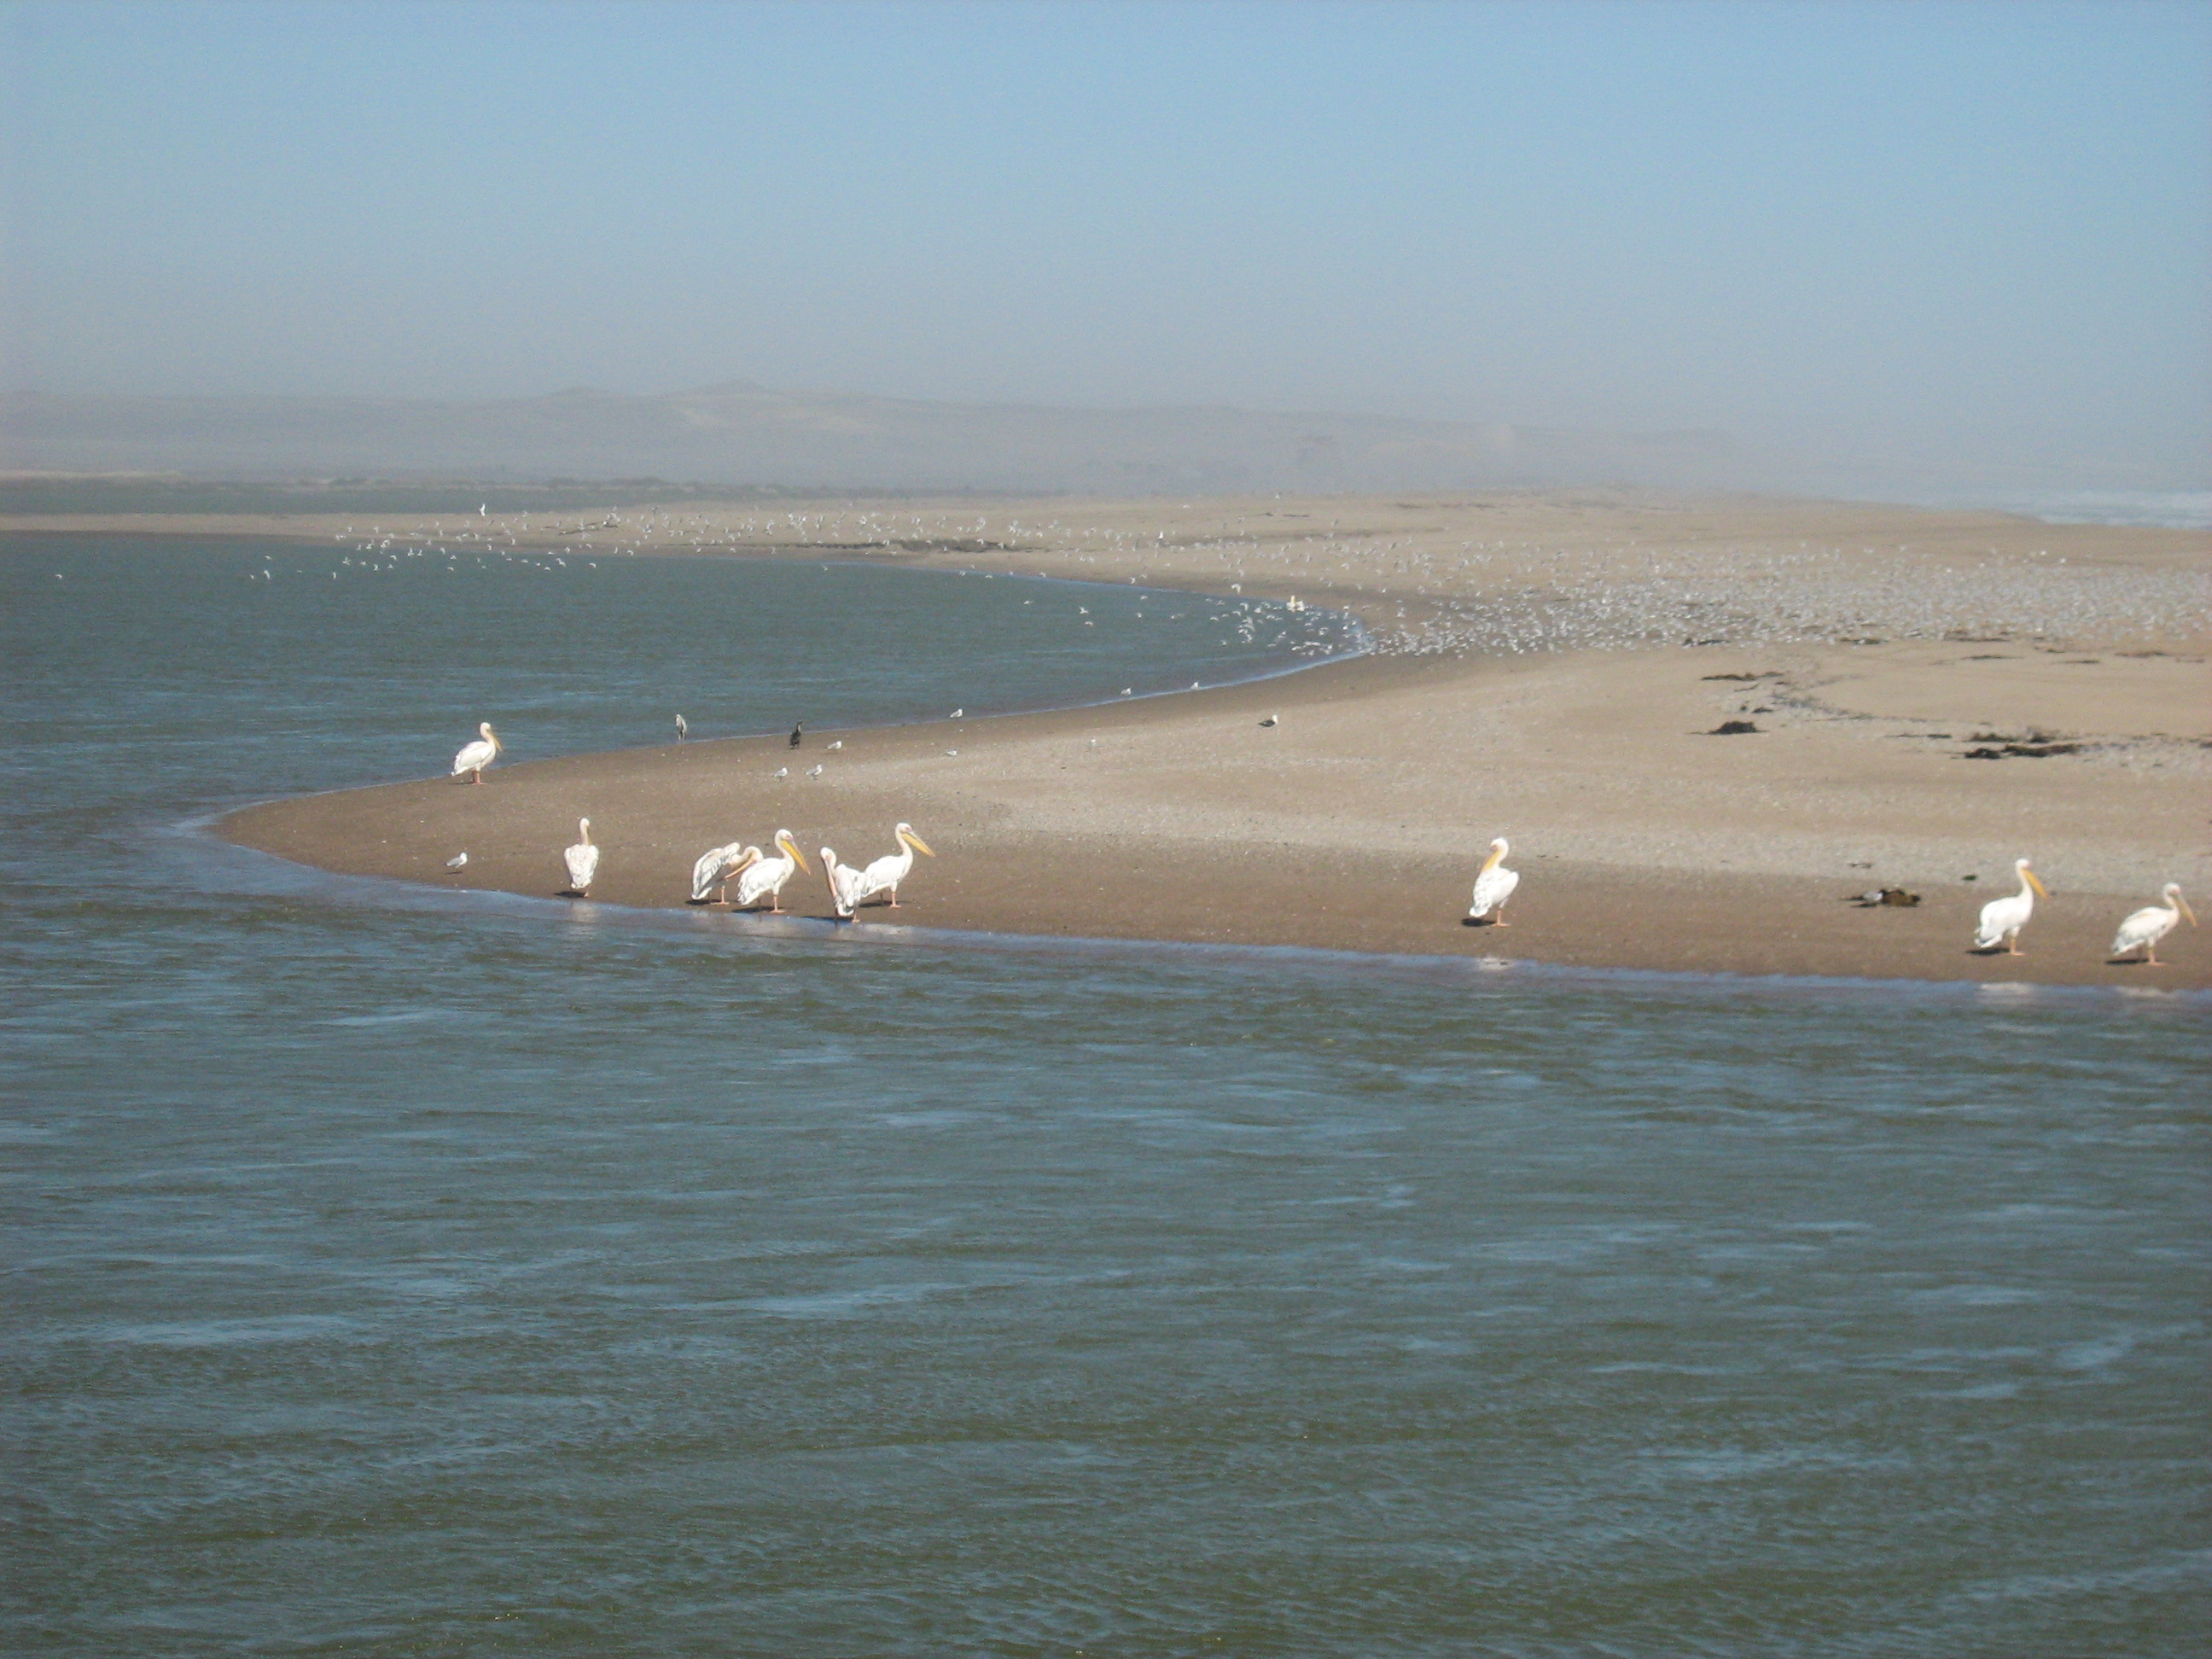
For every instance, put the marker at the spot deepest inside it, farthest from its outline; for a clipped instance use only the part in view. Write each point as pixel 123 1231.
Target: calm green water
pixel 396 1272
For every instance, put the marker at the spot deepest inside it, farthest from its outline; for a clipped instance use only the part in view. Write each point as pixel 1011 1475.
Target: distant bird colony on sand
pixel 761 876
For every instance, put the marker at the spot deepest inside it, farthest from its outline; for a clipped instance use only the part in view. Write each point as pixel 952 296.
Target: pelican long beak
pixel 918 844
pixel 2185 910
pixel 796 854
pixel 2036 881
pixel 1490 863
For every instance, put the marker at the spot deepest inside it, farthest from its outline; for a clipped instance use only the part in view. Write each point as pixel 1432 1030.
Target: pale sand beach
pixel 1549 668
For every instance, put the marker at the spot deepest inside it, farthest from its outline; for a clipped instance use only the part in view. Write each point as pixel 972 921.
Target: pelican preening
pixel 1493 886
pixel 583 860
pixel 2143 930
pixel 716 865
pixel 845 884
pixel 2003 919
pixel 764 877
pixel 473 758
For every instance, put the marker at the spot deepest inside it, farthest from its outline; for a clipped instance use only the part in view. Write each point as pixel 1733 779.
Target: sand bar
pixel 1548 667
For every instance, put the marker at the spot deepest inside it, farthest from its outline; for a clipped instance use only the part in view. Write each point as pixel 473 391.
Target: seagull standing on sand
pixel 582 860
pixel 2143 930
pixel 682 726
pixel 473 758
pixel 457 861
pixel 764 879
pixel 2003 919
pixel 1493 886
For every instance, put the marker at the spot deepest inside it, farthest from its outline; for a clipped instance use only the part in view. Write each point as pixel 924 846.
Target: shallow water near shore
pixel 419 1275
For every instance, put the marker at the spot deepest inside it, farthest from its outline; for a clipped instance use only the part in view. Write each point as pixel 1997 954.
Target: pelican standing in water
pixel 2003 919
pixel 473 758
pixel 845 884
pixel 885 873
pixel 583 860
pixel 2143 930
pixel 1493 885
pixel 764 877
pixel 716 865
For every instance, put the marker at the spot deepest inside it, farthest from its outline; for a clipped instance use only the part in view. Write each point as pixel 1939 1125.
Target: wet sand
pixel 1934 694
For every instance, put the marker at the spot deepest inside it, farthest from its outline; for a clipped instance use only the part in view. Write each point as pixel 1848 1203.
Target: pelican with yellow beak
pixel 885 873
pixel 1493 885
pixel 764 879
pixel 2003 919
pixel 472 757
pixel 2143 930
pixel 716 867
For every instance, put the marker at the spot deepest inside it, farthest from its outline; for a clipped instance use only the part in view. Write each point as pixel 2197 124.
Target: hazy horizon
pixel 1948 240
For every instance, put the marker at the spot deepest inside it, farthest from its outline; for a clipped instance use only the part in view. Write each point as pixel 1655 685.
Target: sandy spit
pixel 1549 667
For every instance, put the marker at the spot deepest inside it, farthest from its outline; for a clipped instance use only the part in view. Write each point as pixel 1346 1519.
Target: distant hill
pixel 742 435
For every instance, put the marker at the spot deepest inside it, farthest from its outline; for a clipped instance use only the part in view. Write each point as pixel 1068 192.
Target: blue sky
pixel 1985 229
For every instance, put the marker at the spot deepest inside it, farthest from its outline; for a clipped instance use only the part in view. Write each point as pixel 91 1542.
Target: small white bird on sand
pixel 1127 690
pixel 473 758
pixel 715 866
pixel 765 879
pixel 583 860
pixel 1494 885
pixel 2143 930
pixel 2003 919
pixel 840 743
pixel 815 771
pixel 457 860
pixel 682 726
pixel 956 713
pixel 1270 720
pixel 781 772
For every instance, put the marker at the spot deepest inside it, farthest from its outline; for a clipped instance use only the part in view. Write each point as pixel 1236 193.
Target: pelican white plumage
pixel 2003 919
pixel 473 758
pixel 583 860
pixel 2143 930
pixel 715 866
pixel 1493 885
pixel 764 877
pixel 884 874
pixel 845 884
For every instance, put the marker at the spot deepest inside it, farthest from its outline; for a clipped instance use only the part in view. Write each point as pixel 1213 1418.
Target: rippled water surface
pixel 408 1274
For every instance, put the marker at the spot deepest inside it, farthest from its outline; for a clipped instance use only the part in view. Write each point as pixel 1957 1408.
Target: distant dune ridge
pixel 740 433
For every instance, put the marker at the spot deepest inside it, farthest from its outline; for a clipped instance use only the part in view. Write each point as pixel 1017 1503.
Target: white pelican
pixel 583 860
pixel 715 867
pixel 2143 930
pixel 2003 919
pixel 845 884
pixel 885 873
pixel 764 877
pixel 473 758
pixel 1494 885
